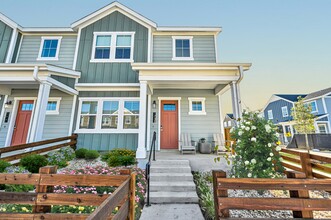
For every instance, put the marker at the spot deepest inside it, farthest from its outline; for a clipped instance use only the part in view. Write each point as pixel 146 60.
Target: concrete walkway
pixel 172 211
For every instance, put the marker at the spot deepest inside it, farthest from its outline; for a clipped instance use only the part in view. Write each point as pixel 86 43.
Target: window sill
pixel 197 113
pixel 110 61
pixel 183 58
pixel 47 59
pixel 52 113
pixel 107 131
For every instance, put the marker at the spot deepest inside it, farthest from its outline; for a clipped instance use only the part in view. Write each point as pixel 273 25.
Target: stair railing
pixel 148 167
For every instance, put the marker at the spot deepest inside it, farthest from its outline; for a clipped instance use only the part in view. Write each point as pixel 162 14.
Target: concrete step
pixel 170 169
pixel 187 186
pixel 174 197
pixel 171 162
pixel 171 177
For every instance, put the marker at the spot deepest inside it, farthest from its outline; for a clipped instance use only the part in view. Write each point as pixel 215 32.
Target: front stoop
pixel 171 181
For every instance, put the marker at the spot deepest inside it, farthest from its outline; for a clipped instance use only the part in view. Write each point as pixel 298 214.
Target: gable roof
pixel 108 9
pixel 9 22
pixel 291 97
pixel 230 115
pixel 319 93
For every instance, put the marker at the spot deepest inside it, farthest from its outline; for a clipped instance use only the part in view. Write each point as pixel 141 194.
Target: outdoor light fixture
pixel 7 104
pixel 154 104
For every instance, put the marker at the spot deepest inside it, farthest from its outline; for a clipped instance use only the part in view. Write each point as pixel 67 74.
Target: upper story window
pixel 270 115
pixel 197 106
pixel 182 48
pixel 284 111
pixel 112 47
pixel 313 106
pixel 49 48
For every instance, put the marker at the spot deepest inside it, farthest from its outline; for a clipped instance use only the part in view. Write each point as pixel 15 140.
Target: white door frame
pixel 13 118
pixel 159 121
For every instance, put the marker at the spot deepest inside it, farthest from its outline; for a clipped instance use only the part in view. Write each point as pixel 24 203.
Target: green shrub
pixel 91 154
pixel 56 158
pixel 114 161
pixel 205 193
pixel 33 162
pixel 68 153
pixel 119 152
pixel 80 153
pixel 4 165
pixel 17 187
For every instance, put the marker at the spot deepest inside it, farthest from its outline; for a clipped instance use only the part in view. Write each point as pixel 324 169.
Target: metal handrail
pixel 148 166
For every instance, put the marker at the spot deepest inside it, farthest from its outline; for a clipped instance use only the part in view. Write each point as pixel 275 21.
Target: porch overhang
pixel 190 75
pixel 29 76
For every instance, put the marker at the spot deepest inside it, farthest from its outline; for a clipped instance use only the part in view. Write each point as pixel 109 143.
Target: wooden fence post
pixel 299 194
pixel 44 189
pixel 132 208
pixel 74 138
pixel 306 164
pixel 219 193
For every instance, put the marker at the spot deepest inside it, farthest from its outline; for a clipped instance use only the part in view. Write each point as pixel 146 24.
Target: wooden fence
pixel 123 197
pixel 58 143
pixel 311 164
pixel 299 201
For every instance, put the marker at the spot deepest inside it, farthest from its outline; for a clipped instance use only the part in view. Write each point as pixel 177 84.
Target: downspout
pixel 241 76
pixel 35 74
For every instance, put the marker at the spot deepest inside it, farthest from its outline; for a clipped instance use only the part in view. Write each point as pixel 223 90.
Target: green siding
pixel 106 142
pixel 5 36
pixel 17 46
pixel 111 72
pixel 109 94
pixel 203 49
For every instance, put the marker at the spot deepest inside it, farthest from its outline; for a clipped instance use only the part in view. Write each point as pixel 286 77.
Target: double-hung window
pixel 270 115
pixel 284 111
pixel 313 105
pixel 108 115
pixel 49 48
pixel 113 47
pixel 182 48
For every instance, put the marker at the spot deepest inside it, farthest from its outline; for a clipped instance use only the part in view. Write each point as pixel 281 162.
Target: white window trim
pixel 203 102
pixel 98 129
pixel 270 114
pixel 174 38
pixel 310 103
pixel 57 110
pixel 323 124
pixel 285 107
pixel 42 46
pixel 112 47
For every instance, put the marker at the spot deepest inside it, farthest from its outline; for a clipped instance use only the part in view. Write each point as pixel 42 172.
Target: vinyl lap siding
pixel 203 49
pixel 5 36
pixel 276 108
pixel 30 50
pixel 199 126
pixel 111 72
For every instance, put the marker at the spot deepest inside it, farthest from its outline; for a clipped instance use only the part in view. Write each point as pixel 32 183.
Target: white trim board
pixel 159 119
pixel 107 86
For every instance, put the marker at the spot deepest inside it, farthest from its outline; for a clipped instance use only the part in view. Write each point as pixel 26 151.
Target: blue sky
pixel 288 42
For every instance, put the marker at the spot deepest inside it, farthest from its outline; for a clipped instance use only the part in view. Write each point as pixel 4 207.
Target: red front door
pixel 169 125
pixel 22 122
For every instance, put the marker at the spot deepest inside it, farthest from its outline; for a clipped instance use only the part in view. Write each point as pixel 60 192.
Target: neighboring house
pixel 279 107
pixel 228 123
pixel 114 77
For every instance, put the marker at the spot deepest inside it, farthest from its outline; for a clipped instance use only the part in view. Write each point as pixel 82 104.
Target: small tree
pixel 303 118
pixel 256 150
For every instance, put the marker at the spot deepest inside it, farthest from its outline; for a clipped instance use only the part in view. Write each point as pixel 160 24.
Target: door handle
pixel 161 127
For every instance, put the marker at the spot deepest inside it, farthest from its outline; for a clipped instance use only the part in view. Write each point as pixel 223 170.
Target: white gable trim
pixel 115 6
pixel 9 22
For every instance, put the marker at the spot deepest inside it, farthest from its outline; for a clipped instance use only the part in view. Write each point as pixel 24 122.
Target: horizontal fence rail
pixel 297 184
pixel 311 164
pixel 44 197
pixel 51 144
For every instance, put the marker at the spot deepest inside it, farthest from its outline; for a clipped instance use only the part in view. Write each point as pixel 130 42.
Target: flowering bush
pixel 17 187
pixel 61 157
pixel 256 151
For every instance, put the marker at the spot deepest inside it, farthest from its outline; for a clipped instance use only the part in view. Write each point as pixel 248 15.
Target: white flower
pixel 281 159
pixel 257 112
pixel 253 139
pixel 247 128
pixel 277 135
pixel 232 129
pixel 243 127
pixel 249 175
pixel 253 161
pixel 240 133
pixel 278 148
pixel 253 127
pixel 267 128
pixel 238 141
pixel 269 145
pixel 248 123
pixel 271 154
pixel 246 162
pixel 269 159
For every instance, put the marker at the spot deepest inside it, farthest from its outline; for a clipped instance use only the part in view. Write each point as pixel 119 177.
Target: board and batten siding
pixel 199 126
pixel 276 108
pixel 203 49
pixel 5 36
pixel 107 72
pixel 55 125
pixel 30 46
pixel 328 105
pixel 106 142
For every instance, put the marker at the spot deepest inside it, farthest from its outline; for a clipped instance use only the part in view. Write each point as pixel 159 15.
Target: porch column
pixel 141 151
pixel 221 116
pixel 38 120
